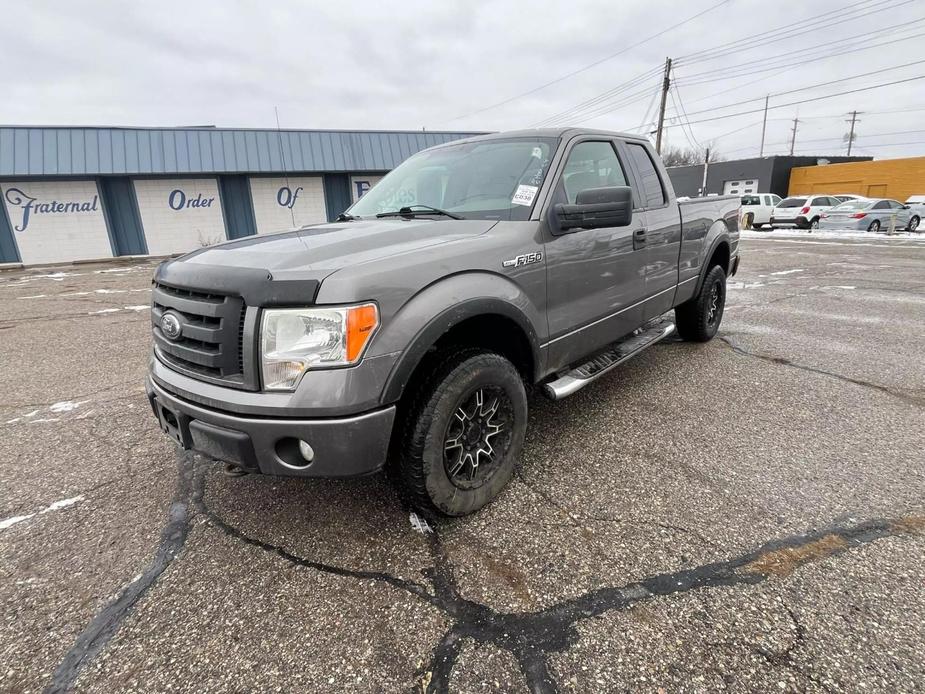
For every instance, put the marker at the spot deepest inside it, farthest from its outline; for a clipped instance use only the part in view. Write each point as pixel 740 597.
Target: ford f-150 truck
pixel 413 328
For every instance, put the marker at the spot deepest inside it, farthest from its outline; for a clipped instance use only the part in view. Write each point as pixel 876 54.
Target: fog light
pixel 306 451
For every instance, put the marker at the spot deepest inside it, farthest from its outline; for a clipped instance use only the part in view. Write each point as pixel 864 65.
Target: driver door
pixel 595 277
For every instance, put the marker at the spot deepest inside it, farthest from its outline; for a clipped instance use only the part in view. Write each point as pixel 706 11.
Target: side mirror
pixel 907 207
pixel 597 208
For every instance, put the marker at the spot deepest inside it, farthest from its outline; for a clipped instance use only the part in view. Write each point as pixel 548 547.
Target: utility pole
pixel 793 136
pixel 764 124
pixel 706 167
pixel 854 119
pixel 661 109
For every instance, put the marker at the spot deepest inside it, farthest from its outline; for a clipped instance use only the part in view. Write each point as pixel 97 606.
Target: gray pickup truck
pixel 413 328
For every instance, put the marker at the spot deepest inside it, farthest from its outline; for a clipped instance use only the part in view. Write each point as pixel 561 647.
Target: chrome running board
pixel 609 358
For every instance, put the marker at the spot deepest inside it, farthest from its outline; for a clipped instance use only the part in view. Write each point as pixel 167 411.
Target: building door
pixel 740 187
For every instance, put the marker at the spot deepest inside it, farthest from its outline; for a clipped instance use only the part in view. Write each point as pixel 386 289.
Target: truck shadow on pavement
pixel 531 637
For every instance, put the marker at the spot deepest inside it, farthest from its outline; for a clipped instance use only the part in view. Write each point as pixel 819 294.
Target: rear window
pixel 792 202
pixel 853 205
pixel 652 193
pixel 751 200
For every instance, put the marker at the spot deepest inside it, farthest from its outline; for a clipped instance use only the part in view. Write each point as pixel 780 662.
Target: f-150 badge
pixel 524 259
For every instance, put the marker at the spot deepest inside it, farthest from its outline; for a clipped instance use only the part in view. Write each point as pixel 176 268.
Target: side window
pixel 652 194
pixel 882 205
pixel 591 165
pixel 775 199
pixel 896 205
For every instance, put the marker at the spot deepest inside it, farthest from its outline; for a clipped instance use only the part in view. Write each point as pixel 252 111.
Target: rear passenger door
pixel 662 238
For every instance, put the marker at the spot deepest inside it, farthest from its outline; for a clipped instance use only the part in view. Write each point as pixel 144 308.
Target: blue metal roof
pixel 49 151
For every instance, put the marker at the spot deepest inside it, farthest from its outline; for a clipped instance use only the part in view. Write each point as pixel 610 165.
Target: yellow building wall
pixel 887 178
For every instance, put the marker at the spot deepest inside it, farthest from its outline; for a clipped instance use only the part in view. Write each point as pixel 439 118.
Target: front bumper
pixel 343 446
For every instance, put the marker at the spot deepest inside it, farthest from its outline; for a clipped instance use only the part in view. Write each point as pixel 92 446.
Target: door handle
pixel 639 239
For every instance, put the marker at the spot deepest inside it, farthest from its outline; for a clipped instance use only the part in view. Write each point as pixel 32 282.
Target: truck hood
pixel 317 251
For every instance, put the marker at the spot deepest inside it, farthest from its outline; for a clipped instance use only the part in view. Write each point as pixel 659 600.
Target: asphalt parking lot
pixel 747 514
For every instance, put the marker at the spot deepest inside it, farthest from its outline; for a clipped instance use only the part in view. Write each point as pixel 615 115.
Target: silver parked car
pixel 870 215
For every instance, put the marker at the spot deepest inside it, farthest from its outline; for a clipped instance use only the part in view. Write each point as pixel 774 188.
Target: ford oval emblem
pixel 170 326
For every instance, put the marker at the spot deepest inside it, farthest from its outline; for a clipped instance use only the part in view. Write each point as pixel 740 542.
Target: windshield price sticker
pixel 524 195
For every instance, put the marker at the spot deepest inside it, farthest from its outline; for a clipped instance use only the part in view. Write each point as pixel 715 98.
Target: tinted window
pixel 751 200
pixel 652 193
pixel 591 165
pixel 895 205
pixel 882 205
pixel 792 202
pixel 820 202
pixel 775 199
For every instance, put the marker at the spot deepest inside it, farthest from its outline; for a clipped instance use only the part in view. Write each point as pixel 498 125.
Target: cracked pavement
pixel 743 515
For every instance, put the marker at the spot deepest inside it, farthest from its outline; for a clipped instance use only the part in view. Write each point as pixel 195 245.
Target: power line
pixel 732 70
pixel 786 31
pixel 622 87
pixel 804 101
pixel 812 86
pixel 591 65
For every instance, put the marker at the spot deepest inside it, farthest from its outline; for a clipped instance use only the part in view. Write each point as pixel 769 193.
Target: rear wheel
pixel 874 226
pixel 464 432
pixel 698 318
pixel 914 224
pixel 814 223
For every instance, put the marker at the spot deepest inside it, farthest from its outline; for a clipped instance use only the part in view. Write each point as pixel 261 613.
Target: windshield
pixel 751 200
pixel 488 179
pixel 853 205
pixel 792 202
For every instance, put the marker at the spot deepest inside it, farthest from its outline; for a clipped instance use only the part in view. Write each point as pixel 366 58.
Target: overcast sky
pixel 440 65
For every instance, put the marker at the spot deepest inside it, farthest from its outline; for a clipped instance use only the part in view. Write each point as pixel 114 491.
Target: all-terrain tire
pixel 425 462
pixel 698 318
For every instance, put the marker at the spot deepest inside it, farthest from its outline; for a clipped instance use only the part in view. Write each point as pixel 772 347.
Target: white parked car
pixel 802 211
pixel 756 209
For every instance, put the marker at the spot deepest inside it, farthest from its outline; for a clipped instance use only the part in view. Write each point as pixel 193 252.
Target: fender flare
pixel 719 237
pixel 427 337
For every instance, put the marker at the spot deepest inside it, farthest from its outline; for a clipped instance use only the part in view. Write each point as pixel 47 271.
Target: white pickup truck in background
pixel 756 209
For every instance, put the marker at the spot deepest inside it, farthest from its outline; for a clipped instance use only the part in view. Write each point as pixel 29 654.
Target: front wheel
pixel 698 319
pixel 914 224
pixel 464 432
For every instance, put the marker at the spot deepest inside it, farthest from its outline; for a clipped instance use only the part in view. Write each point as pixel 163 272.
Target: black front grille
pixel 211 341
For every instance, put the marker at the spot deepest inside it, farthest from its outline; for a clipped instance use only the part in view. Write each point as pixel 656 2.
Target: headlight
pixel 293 340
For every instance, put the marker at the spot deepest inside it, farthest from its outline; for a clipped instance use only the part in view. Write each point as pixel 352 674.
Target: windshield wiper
pixel 344 217
pixel 407 212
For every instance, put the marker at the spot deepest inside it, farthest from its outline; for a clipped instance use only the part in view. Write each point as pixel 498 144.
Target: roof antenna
pixel 279 140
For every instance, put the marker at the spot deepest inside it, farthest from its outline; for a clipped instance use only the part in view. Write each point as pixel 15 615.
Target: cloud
pixel 413 64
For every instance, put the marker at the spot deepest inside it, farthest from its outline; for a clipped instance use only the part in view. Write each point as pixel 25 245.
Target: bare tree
pixel 688 156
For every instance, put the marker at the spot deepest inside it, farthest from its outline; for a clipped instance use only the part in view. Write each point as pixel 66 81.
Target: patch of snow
pixel 9 522
pixel 105 310
pixel 66 405
pixel 419 524
pixel 43 421
pixel 142 307
pixel 743 285
pixel 787 272
pixel 56 506
pixel 34 296
pixel 64 503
